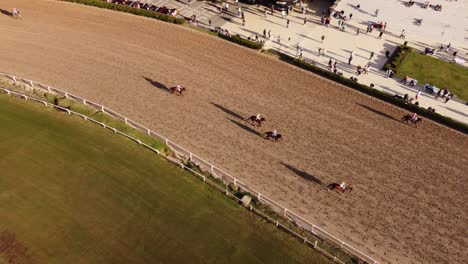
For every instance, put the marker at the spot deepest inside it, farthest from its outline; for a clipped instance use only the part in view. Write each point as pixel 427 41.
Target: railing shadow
pixel 227 111
pixel 303 174
pixel 246 128
pixel 157 84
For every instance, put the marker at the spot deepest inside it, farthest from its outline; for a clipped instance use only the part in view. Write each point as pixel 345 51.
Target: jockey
pixel 342 185
pixel 258 117
pixel 414 116
pixel 274 133
pixel 179 87
pixel 15 12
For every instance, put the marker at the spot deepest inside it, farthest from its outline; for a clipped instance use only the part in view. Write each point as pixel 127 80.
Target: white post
pixel 102 108
pixel 204 178
pixel 126 121
pixel 312 230
pixel 84 101
pixel 139 142
pixel 166 138
pixel 69 112
pixel 66 95
pixel 149 133
pixel 115 130
pixel 45 103
pixel 25 97
pixel 48 89
pixel 86 118
pixel 235 182
pixel 251 208
pixel 277 223
pixel 31 83
pixel 8 92
pixel 14 79
pixel 103 125
pixel 315 244
pixel 305 239
pixel 227 192
pixel 190 158
pixel 212 169
pixel 259 196
pixel 285 211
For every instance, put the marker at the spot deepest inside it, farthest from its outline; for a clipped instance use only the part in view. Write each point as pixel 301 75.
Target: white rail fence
pixel 203 164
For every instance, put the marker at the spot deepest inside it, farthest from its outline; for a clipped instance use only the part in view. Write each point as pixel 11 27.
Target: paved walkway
pixel 337 45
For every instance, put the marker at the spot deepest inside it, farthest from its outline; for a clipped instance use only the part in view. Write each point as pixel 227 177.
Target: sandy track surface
pixel 409 203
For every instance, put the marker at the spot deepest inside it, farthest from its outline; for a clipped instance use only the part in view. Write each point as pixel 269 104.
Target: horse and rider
pixel 178 89
pixel 413 118
pixel 16 13
pixel 258 119
pixel 342 187
pixel 273 135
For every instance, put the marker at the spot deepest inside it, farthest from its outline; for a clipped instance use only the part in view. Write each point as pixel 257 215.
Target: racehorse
pixel 254 120
pixel 336 186
pixel 175 90
pixel 269 135
pixel 407 118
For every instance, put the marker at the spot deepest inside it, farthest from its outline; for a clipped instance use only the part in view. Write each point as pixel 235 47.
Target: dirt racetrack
pixel 409 203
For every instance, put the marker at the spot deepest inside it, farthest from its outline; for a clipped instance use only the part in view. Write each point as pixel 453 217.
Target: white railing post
pixel 66 95
pixel 285 211
pixel 277 223
pixel 259 196
pixel 102 108
pixel 31 83
pixel 14 79
pixel 235 182
pixel 48 89
pixel 315 244
pixel 149 133
pixel 84 101
pixel 190 157
pixel 126 121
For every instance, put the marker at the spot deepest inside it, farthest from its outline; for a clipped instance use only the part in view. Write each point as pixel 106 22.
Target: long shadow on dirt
pixel 247 128
pixel 303 174
pixel 379 112
pixel 227 111
pixel 157 84
pixel 6 13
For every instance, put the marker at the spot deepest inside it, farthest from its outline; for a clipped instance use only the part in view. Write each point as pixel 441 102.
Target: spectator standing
pixel 418 94
pixel 350 59
pixel 387 54
pixel 449 96
pixel 380 35
pixel 287 23
pixel 403 34
pixel 371 55
pixel 388 73
pixel 323 38
pixel 350 16
pixel 305 20
pixel 357 31
pixel 376 12
pixel 264 33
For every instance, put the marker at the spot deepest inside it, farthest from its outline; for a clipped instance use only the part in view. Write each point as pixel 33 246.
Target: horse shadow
pixel 303 174
pixel 157 84
pixel 378 112
pixel 6 13
pixel 247 128
pixel 227 111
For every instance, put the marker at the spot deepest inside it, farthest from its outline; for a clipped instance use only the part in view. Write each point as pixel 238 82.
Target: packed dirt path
pixel 409 203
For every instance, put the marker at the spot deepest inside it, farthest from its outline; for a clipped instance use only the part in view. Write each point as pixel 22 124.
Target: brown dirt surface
pixel 409 203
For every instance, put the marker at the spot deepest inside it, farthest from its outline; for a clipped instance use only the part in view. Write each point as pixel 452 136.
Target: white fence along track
pixel 203 164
